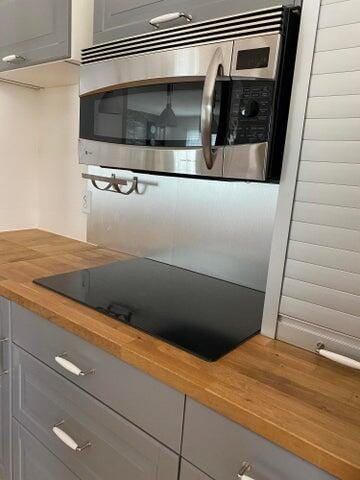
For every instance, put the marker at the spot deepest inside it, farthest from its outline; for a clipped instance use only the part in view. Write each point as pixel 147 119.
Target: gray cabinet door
pixel 114 449
pixel 120 18
pixel 32 461
pixel 189 472
pixel 146 402
pixel 219 447
pixel 5 412
pixel 36 30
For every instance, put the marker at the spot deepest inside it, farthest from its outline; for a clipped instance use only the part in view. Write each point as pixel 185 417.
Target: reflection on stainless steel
pixel 216 66
pixel 222 229
pixel 269 41
pixel 183 63
pixel 246 161
pixel 185 161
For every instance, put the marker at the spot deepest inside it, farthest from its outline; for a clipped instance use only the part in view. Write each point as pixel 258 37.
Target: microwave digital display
pixel 253 58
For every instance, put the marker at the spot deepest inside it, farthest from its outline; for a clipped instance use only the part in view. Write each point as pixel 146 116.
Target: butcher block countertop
pixel 302 402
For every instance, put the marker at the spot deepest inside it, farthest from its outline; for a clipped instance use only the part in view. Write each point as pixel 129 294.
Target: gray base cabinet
pixel 146 402
pixel 5 411
pixel 219 447
pixel 189 472
pixel 120 18
pixel 32 461
pixel 88 437
pixel 36 30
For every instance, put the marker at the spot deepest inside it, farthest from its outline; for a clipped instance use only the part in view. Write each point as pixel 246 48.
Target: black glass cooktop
pixel 203 315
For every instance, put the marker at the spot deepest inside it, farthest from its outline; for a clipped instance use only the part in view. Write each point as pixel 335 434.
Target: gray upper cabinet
pixel 35 31
pixel 5 412
pixel 120 18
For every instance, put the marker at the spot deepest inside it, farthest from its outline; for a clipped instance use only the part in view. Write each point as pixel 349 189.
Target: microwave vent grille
pixel 259 22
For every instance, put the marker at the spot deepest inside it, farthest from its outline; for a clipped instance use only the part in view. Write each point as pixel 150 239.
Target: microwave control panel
pixel 251 106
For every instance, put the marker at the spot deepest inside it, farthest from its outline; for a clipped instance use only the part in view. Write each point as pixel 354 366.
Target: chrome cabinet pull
pixel 4 372
pixel 245 467
pixel 216 64
pixel 13 59
pixel 336 357
pixel 69 441
pixel 168 17
pixel 71 367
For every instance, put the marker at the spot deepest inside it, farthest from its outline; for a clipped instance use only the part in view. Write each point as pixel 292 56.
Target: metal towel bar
pixel 112 183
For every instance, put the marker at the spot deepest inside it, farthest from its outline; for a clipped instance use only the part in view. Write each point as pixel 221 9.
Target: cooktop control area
pixel 200 314
pixel 250 111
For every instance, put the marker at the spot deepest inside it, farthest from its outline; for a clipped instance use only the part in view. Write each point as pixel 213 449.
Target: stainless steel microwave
pixel 208 99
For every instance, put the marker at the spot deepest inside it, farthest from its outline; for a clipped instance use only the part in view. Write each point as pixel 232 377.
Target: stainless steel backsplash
pixel 222 229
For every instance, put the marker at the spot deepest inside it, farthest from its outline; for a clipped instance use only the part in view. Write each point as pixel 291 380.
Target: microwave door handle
pixel 216 65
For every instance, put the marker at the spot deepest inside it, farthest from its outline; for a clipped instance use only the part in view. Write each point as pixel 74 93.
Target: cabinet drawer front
pixel 5 411
pixel 36 30
pixel 43 399
pixel 33 461
pixel 189 472
pixel 153 406
pixel 219 447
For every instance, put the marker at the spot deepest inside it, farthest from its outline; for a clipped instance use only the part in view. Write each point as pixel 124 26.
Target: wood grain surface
pixel 304 403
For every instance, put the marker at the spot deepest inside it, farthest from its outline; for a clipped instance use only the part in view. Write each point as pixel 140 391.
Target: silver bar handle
pixel 242 474
pixel 169 17
pixel 336 357
pixel 13 59
pixel 216 64
pixel 69 441
pixel 4 372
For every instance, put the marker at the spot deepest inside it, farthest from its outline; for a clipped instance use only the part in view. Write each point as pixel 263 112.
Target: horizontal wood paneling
pixel 323 276
pixel 326 172
pixel 324 235
pixel 322 272
pixel 343 60
pixel 336 151
pixel 334 38
pixel 347 83
pixel 341 13
pixel 305 335
pixel 324 256
pixel 326 297
pixel 327 2
pixel 341 217
pixel 318 315
pixel 328 194
pixel 332 129
pixel 334 107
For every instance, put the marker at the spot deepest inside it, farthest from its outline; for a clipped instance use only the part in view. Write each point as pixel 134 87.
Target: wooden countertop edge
pixel 206 396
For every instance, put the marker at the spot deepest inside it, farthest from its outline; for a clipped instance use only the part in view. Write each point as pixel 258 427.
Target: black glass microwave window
pixel 163 115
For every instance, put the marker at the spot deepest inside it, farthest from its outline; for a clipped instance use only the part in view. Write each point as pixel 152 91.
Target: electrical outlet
pixel 86 202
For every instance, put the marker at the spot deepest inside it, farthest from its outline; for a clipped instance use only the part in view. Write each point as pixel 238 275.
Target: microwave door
pixel 170 126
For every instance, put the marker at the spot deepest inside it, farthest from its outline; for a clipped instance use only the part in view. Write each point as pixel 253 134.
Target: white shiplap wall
pixel 321 285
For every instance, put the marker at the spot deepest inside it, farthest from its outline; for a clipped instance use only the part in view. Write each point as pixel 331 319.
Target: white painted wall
pixel 59 174
pixel 19 140
pixel 40 177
